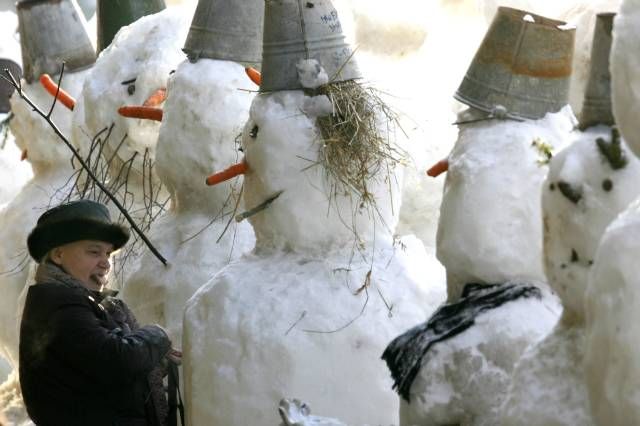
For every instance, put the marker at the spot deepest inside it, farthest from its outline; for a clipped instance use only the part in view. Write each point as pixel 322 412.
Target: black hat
pixel 74 221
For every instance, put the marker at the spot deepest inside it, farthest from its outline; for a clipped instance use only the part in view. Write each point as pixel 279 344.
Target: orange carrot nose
pixel 53 89
pixel 233 171
pixel 254 75
pixel 156 98
pixel 438 168
pixel 24 154
pixel 147 113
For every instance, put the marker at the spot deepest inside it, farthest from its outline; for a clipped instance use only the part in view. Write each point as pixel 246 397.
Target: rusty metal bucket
pixel 52 32
pixel 115 14
pixel 523 64
pixel 303 29
pixel 6 90
pixel 596 108
pixel 226 30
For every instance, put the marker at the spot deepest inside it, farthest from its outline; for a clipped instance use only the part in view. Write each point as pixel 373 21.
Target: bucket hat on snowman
pixel 74 221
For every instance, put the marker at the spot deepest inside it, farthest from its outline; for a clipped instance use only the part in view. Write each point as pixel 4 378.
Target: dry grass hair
pixel 357 142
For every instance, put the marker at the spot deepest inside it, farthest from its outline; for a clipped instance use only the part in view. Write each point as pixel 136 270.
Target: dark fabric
pixel 404 355
pixel 74 221
pixel 79 364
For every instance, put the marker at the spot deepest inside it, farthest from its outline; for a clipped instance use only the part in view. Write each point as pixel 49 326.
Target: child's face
pixel 85 260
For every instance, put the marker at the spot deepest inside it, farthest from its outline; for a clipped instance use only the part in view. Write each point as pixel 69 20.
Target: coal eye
pixel 131 89
pixel 254 132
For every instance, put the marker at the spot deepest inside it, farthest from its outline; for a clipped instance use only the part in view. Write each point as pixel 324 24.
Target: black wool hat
pixel 74 221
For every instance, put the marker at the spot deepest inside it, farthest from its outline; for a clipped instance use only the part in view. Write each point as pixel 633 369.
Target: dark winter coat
pixel 79 364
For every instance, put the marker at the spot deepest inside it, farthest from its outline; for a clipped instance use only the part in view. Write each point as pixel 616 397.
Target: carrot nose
pixel 156 98
pixel 144 112
pixel 254 75
pixel 50 86
pixel 231 172
pixel 438 168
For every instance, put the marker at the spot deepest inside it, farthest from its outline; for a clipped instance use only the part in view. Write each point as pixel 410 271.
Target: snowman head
pixel 135 66
pixel 589 183
pixel 312 210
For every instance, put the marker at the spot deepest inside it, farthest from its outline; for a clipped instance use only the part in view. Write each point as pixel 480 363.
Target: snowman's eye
pixel 131 86
pixel 254 132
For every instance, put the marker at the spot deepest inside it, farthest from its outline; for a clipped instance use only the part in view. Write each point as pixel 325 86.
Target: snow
pixel 625 80
pixel 295 301
pixel 490 228
pixel 311 73
pixel 203 114
pixel 611 360
pixel 548 386
pixel 572 230
pixel 463 379
pixel 147 51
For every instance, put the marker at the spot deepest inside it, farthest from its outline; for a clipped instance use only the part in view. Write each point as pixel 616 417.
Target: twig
pixel 302 315
pixel 11 79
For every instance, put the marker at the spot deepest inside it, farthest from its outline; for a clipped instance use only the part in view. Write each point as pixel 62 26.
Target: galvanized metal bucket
pixel 6 90
pixel 227 30
pixel 88 7
pixel 596 108
pixel 524 65
pixel 52 32
pixel 303 29
pixel 115 14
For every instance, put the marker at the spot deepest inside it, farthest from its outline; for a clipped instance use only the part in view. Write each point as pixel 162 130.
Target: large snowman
pixel 48 156
pixel 204 112
pixel 135 66
pixel 456 367
pixel 612 370
pixel 588 184
pixel 309 311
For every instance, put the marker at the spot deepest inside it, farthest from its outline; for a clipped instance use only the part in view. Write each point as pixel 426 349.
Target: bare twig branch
pixel 84 165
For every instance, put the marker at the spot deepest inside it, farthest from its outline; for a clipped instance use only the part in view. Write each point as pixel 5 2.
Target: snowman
pixel 588 184
pixel 309 311
pixel 456 367
pixel 133 69
pixel 203 114
pixel 49 158
pixel 612 371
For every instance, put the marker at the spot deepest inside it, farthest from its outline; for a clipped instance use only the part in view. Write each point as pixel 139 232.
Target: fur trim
pixel 47 236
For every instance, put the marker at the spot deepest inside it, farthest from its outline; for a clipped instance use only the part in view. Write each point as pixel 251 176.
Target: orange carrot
pixel 231 172
pixel 51 87
pixel 147 113
pixel 438 168
pixel 156 98
pixel 23 156
pixel 254 75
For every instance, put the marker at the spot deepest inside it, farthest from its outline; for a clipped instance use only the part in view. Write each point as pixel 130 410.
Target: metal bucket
pixel 303 29
pixel 6 90
pixel 227 30
pixel 88 7
pixel 524 64
pixel 596 108
pixel 115 14
pixel 52 32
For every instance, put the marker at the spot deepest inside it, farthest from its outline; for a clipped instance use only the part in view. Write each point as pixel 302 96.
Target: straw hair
pixel 356 145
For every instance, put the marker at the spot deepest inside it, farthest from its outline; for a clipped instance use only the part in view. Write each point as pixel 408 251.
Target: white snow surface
pixel 463 380
pixel 572 231
pixel 612 370
pixel 311 74
pixel 297 413
pixel 203 114
pixel 625 79
pixel 284 157
pixel 294 323
pixel 548 385
pixel 490 228
pixel 147 51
